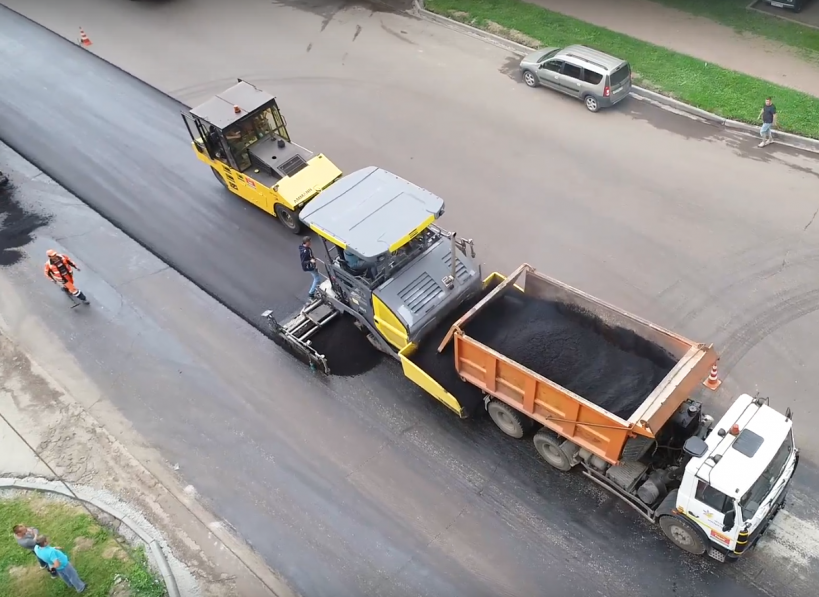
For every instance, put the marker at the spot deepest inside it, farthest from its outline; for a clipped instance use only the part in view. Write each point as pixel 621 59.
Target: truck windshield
pixel 751 501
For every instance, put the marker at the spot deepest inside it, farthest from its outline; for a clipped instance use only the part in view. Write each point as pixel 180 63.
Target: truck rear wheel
pixel 289 218
pixel 548 446
pixel 683 534
pixel 508 420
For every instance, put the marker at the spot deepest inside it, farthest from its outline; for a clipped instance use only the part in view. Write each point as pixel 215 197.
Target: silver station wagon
pixel 599 80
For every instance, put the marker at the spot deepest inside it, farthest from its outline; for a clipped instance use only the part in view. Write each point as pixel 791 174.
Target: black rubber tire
pixel 547 445
pixel 289 219
pixel 592 105
pixel 218 176
pixel 530 79
pixel 683 534
pixel 508 420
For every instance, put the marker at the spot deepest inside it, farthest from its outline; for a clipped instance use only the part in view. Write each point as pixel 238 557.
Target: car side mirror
pixel 729 520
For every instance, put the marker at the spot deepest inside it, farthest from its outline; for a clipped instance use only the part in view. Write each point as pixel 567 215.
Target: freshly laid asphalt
pixel 364 486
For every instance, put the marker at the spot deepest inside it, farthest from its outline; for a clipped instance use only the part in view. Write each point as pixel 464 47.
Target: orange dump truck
pixel 660 455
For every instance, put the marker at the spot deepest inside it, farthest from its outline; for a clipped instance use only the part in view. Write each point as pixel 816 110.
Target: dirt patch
pixel 121 588
pixel 18 571
pixel 512 34
pixel 17 227
pixel 83 544
pixel 28 580
pixel 44 507
pixel 114 551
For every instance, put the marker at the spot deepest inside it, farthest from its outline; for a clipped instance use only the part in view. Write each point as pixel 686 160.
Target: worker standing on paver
pixel 768 116
pixel 308 264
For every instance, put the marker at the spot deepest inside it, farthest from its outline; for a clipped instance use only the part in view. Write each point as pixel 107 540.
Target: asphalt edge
pixel 640 93
pixel 59 488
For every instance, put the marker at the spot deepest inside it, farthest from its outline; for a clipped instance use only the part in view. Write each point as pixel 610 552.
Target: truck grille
pixel 420 292
pixel 293 165
pixel 461 272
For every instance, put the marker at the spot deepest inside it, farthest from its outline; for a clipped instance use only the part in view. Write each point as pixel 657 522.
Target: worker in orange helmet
pixel 59 268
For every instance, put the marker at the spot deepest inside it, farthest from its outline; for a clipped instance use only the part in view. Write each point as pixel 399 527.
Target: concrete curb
pixel 153 546
pixel 788 139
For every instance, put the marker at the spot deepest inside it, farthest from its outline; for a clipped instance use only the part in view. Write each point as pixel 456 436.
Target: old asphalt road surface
pixel 363 486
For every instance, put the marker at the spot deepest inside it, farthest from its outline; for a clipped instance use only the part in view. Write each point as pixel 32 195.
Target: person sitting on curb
pixel 26 537
pixel 58 561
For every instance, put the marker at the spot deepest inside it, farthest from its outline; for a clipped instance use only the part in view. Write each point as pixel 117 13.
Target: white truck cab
pixel 735 482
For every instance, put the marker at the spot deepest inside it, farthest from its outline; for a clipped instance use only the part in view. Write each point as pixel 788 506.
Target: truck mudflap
pixel 295 333
pixel 425 381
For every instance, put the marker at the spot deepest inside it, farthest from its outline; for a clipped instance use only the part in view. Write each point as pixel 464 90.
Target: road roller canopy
pixel 241 101
pixel 372 212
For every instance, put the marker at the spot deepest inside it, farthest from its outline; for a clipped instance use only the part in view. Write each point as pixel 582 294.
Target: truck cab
pixel 736 480
pixel 242 135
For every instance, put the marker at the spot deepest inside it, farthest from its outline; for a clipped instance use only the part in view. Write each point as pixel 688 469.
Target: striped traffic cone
pixel 84 41
pixel 713 381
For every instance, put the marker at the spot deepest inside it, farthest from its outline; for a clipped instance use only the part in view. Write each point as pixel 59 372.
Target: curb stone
pixel 782 138
pixel 153 546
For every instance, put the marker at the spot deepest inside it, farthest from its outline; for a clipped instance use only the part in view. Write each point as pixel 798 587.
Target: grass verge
pixel 91 548
pixel 737 15
pixel 707 86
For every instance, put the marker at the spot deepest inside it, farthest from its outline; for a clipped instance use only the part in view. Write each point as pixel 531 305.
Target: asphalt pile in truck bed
pixel 441 366
pixel 611 367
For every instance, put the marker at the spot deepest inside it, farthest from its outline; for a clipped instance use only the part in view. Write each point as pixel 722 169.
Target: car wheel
pixel 591 103
pixel 529 78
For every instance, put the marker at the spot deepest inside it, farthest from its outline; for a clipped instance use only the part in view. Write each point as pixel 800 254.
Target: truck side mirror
pixel 729 520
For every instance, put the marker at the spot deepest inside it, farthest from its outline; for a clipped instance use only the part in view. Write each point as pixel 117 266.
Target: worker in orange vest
pixel 59 268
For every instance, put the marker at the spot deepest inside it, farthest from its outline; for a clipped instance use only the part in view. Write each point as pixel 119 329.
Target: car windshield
pixel 751 501
pixel 621 74
pixel 548 55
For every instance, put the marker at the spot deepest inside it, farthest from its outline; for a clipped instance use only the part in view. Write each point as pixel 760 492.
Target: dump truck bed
pixel 589 371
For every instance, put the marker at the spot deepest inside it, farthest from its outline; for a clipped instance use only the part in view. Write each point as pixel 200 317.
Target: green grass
pixel 735 14
pixel 91 548
pixel 707 86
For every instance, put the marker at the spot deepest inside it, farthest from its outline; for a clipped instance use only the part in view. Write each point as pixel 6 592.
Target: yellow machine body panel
pixel 242 135
pixel 388 325
pixel 421 378
pixel 291 191
pixel 432 387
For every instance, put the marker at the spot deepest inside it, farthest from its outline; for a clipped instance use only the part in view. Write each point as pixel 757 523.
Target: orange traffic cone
pixel 713 381
pixel 84 41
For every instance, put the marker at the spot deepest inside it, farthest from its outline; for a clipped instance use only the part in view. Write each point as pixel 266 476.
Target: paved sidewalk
pixel 695 36
pixel 84 453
